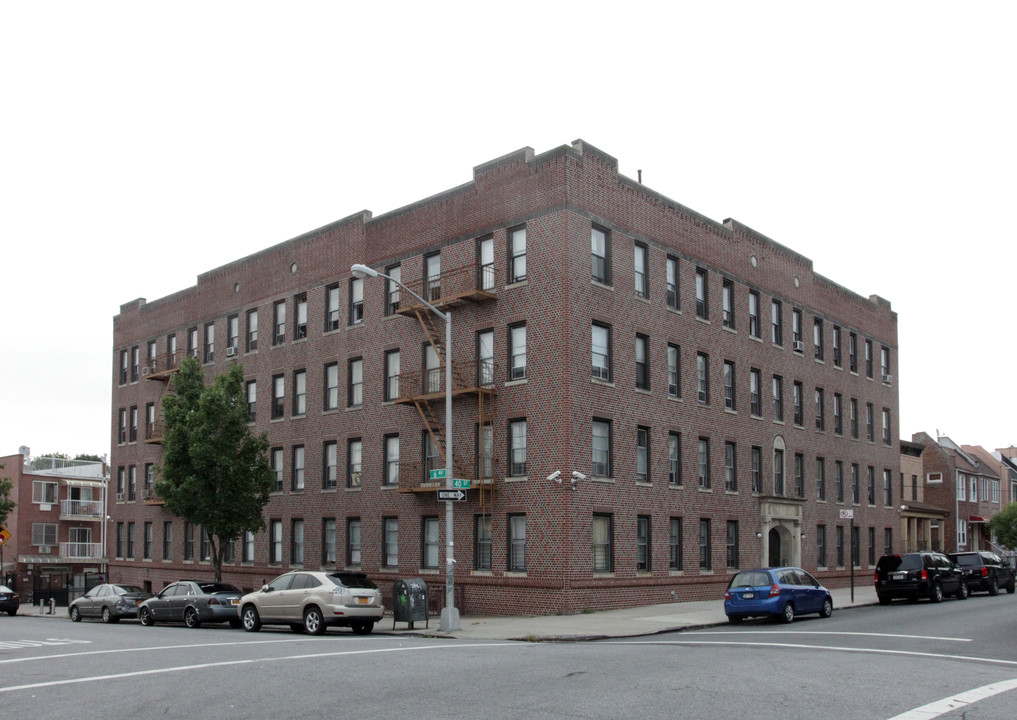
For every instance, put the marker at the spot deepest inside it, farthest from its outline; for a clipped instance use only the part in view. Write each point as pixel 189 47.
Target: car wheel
pixel 936 594
pixel 145 616
pixel 75 615
pixel 962 591
pixel 827 610
pixel 191 618
pixel 735 619
pixel 884 599
pixel 994 587
pixel 788 615
pixel 314 623
pixel 235 623
pixel 250 619
pixel 297 627
pixel 12 612
pixel 1011 586
pixel 107 616
pixel 362 628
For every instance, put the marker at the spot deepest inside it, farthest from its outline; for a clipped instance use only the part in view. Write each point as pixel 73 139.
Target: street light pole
pixel 450 613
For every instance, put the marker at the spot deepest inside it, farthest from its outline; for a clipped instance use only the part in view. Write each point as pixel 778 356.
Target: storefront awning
pixel 83 483
pixel 977 519
pixel 42 559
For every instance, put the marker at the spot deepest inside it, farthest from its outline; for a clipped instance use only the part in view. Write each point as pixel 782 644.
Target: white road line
pixel 808 632
pixel 954 702
pixel 225 663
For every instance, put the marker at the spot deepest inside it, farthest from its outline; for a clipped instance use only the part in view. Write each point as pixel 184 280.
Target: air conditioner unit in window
pixel 120 497
pixel 799 346
pixel 145 371
pixel 231 352
pixel 45 549
pixel 888 378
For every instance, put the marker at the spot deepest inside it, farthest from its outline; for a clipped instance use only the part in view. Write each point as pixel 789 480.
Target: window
pixel 517 351
pixel 132 483
pixel 279 323
pixel 884 363
pixel 124 363
pixel 675 542
pixel 252 402
pixel 838 480
pixel 642 284
pixel 727 304
pixel 730 467
pixel 45 493
pixel 391 375
pixel 601 352
pixel 853 352
pixel 817 338
pixel 868 358
pixel 252 330
pixel 390 542
pixel 517 448
pixel 755 392
pixel 642 362
pixel 297 478
pixel 872 546
pixel 603 536
pixel 887 541
pixel 391 476
pixel 836 347
pixel 729 385
pixel 135 362
pixel 130 540
pixel 328 541
pixel 643 454
pixel 799 475
pixel 485 358
pixel 278 396
pixel 482 542
pixel 820 419
pixel 354 453
pixel 277 466
pixel 517 254
pixel 192 342
pixel 643 554
pixel 797 393
pixel 356 301
pixel 432 277
pixel 778 471
pixel 133 437
pixel 275 542
pixel 754 326
pixel 732 544
pixel 674 377
pixel 485 263
pixel 353 541
pixel 232 333
pixel 600 244
pixel 601 448
pixel 887 489
pixel 330 465
pixel 485 451
pixel 46 534
pixel 433 380
pixel 355 393
pixel 331 400
pixel 42 530
pixel 838 414
pixel 300 321
pixel 432 456
pixel 702 294
pixel 299 392
pixel 297 543
pixel 821 545
pixel 778 398
pixel 796 330
pixel 840 545
pixel 332 307
pixel 149 478
pixel 871 485
pixel 189 541
pixel 869 422
pixel 395 274
pixel 887 433
pixel 167 540
pixel 121 478
pixel 757 469
pixel 777 323
pixel 820 478
pixel 674 458
pixel 517 543
pixel 430 543
pixel 703 464
pixel 855 484
pixel 853 417
pixel 704 545
pixel 962 532
pixel 673 299
pixel 702 377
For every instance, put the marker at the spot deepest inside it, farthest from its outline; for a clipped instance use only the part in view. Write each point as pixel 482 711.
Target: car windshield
pixel 889 563
pixel 214 587
pixel 5 589
pixel 750 578
pixel 966 560
pixel 352 580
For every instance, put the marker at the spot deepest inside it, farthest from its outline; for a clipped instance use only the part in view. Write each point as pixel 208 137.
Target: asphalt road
pixel 870 662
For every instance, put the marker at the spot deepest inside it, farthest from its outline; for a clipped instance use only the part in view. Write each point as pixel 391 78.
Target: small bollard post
pixel 52 606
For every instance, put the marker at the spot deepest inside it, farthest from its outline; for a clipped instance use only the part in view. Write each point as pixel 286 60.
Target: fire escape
pixel 472 381
pixel 160 368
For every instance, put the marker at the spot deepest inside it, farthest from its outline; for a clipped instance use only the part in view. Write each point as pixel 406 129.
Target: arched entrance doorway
pixel 774 543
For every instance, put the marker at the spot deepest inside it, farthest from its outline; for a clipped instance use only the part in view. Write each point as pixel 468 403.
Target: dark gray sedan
pixel 193 602
pixel 109 602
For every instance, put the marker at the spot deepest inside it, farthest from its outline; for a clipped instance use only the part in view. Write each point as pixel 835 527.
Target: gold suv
pixel 309 601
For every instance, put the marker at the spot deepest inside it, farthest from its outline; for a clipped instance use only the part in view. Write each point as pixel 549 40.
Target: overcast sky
pixel 146 143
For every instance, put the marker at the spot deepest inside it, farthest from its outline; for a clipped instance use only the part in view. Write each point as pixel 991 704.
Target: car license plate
pixel 898 576
pixel 747 596
pixel 234 601
pixel 363 600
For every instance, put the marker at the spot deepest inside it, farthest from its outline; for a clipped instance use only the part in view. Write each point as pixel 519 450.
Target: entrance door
pixel 774 542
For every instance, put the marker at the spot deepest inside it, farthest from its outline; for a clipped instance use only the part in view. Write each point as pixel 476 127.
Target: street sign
pixel 453 495
pixel 4 535
pixel 847 514
pixel 438 474
pixel 460 483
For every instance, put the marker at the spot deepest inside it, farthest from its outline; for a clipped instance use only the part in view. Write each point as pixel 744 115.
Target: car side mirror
pixel 266 588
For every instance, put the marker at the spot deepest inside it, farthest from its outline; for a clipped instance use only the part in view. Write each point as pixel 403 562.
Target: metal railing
pixel 79 550
pixel 81 508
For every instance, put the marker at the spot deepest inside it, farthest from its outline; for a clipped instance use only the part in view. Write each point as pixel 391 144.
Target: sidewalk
pixel 629 622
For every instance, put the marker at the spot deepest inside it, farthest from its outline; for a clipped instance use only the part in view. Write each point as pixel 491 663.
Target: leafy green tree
pixel 214 470
pixel 6 504
pixel 92 458
pixel 1004 526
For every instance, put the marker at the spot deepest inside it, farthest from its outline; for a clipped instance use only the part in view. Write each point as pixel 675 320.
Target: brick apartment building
pixel 707 400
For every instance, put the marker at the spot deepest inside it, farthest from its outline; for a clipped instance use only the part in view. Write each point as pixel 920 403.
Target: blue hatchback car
pixel 779 593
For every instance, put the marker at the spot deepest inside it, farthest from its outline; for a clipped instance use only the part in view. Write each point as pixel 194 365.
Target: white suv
pixel 309 601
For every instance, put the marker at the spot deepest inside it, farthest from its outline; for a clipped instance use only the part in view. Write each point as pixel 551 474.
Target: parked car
pixel 985 571
pixel 916 575
pixel 9 600
pixel 193 602
pixel 109 602
pixel 310 601
pixel 780 593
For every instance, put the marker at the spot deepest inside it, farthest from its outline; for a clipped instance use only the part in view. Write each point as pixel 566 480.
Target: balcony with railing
pixel 81 551
pixel 429 384
pixel 471 283
pixel 81 510
pixel 154 431
pixel 162 366
pixel 148 497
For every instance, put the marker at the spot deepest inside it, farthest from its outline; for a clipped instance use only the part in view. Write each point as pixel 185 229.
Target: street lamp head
pixel 362 271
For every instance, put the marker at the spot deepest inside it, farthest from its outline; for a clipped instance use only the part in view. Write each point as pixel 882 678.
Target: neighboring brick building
pixel 921 522
pixel 717 403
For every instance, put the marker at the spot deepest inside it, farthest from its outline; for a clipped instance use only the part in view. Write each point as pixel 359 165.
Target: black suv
pixel 918 574
pixel 985 571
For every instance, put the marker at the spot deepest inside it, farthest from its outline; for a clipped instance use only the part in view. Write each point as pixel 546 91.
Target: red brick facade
pixel 558 197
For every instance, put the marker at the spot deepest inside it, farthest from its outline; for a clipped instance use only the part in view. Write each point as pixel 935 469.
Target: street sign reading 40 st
pixel 453 495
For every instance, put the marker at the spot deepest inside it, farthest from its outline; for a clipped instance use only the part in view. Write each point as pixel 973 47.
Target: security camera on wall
pixel 576 475
pixel 556 476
